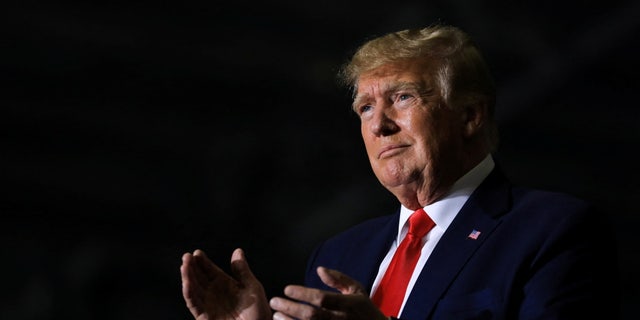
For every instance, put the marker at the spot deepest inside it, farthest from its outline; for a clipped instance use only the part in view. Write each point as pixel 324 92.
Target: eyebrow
pixel 394 87
pixel 358 100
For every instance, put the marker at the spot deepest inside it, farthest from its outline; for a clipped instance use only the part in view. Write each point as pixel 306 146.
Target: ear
pixel 473 117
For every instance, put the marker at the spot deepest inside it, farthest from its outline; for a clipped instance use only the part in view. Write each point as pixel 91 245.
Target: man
pixel 482 247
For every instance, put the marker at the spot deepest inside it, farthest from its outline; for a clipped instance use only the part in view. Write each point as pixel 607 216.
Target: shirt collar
pixel 443 211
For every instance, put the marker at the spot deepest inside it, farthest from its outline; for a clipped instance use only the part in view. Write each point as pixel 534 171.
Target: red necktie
pixel 390 293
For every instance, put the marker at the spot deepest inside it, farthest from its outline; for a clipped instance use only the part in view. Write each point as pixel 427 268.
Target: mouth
pixel 392 150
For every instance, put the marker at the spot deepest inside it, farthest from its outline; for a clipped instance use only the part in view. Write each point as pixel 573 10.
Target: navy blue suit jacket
pixel 540 255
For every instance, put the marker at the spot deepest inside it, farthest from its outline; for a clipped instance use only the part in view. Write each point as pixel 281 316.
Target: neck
pixel 429 188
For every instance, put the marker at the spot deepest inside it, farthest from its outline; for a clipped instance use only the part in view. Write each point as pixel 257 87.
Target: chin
pixel 391 182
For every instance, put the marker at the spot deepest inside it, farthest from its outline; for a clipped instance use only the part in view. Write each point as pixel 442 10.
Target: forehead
pixel 414 73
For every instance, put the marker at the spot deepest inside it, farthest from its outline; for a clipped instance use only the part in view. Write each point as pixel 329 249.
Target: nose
pixel 383 123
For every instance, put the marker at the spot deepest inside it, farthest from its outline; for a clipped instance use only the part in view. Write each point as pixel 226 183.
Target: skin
pixel 211 294
pixel 417 146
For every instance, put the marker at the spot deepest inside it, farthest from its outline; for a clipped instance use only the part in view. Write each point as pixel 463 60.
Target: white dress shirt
pixel 442 212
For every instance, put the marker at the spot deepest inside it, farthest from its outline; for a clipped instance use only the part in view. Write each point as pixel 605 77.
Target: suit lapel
pixel 368 252
pixel 455 247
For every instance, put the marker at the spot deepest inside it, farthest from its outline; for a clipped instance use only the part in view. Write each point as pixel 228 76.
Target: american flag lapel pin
pixel 474 234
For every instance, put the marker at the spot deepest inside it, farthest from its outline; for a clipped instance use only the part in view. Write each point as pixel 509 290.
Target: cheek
pixel 368 141
pixel 425 139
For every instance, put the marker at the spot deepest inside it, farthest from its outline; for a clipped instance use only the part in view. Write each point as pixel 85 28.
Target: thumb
pixel 340 281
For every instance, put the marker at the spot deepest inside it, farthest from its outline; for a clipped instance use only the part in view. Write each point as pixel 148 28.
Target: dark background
pixel 133 132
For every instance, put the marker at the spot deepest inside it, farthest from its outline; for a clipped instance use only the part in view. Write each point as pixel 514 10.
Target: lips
pixel 391 150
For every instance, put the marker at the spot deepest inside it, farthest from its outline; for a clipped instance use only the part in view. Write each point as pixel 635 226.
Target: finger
pixel 340 281
pixel 204 278
pixel 202 269
pixel 206 271
pixel 288 309
pixel 314 297
pixel 324 303
pixel 190 287
pixel 281 316
pixel 240 267
pixel 203 263
pixel 189 273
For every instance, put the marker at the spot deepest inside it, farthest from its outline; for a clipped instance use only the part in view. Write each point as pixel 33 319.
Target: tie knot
pixel 420 223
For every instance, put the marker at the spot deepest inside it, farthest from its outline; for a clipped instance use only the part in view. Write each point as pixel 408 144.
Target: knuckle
pixel 311 313
pixel 320 298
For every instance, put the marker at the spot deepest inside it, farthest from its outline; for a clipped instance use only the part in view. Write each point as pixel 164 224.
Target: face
pixel 412 139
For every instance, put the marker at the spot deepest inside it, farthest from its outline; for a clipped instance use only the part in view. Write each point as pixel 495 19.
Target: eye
pixel 404 96
pixel 364 108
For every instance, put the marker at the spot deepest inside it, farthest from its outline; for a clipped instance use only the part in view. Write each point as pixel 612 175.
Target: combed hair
pixel 462 74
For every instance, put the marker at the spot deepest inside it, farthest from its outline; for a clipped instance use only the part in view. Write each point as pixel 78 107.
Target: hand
pixel 352 303
pixel 211 294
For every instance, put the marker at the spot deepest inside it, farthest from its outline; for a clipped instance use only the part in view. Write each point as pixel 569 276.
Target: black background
pixel 136 131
